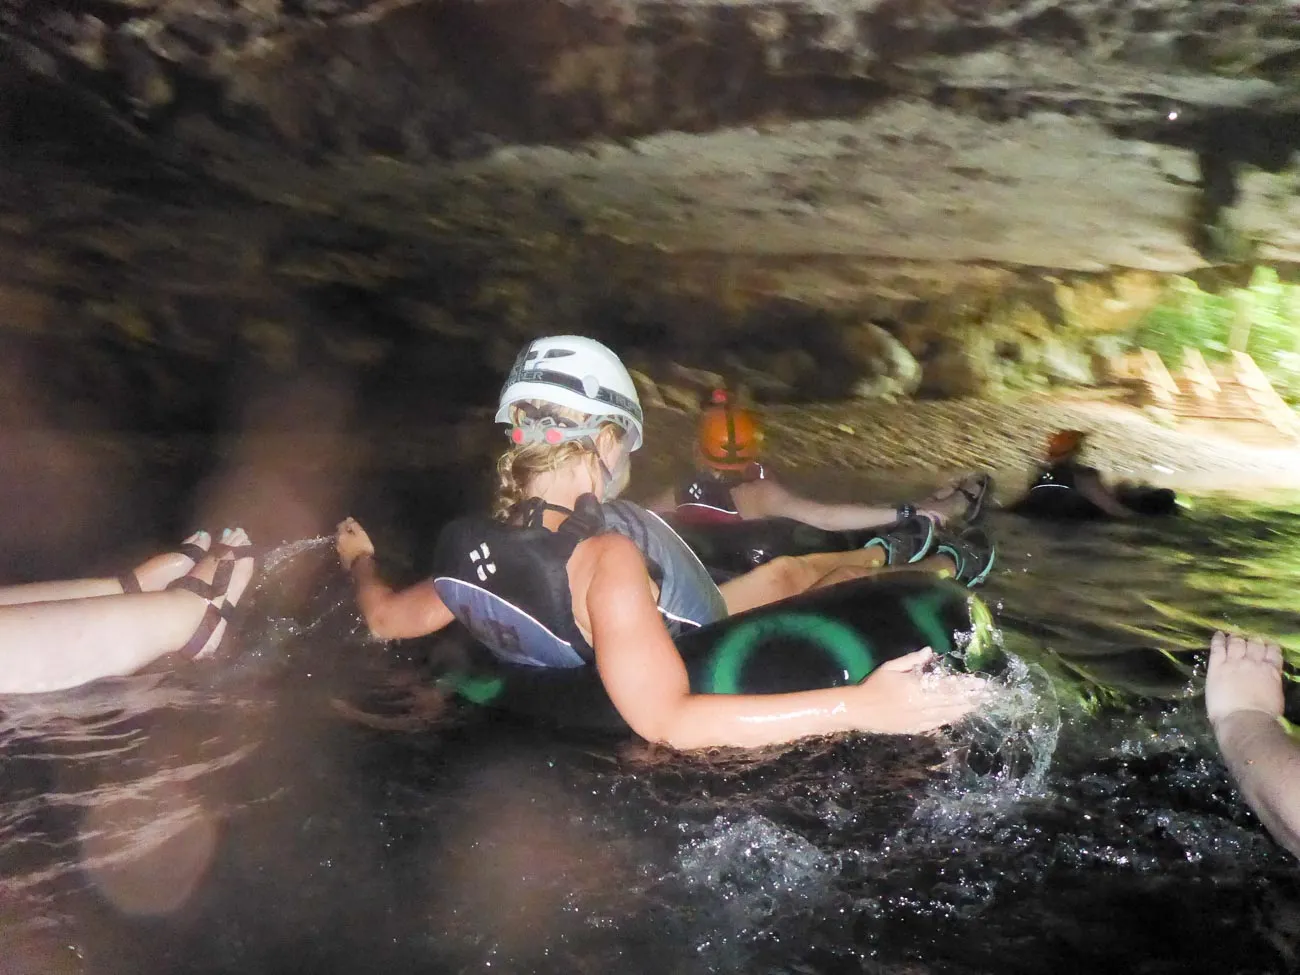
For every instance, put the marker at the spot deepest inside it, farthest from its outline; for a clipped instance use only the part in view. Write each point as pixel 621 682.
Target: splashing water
pixel 291 550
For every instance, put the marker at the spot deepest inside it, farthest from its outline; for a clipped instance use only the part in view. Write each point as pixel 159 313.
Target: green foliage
pixel 1266 313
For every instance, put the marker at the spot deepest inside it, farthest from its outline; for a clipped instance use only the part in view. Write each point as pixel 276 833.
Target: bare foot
pixel 952 501
pixel 1245 674
pixel 158 572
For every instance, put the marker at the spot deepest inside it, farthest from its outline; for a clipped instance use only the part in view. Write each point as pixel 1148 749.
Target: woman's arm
pixel 402 614
pixel 390 615
pixel 1243 698
pixel 648 684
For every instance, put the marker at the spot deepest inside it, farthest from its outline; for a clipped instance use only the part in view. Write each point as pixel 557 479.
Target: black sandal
pixel 129 582
pixel 906 542
pixel 213 615
pixel 973 551
pixel 975 500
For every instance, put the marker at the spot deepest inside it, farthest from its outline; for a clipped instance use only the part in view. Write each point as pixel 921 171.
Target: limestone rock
pixel 648 390
pixel 1062 365
pixel 890 371
pixel 733 186
pixel 968 369
pixel 1071 134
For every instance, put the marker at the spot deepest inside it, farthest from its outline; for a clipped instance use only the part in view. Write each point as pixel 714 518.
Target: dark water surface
pixel 312 807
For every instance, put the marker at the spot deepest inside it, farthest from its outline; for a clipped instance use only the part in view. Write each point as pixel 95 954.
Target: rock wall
pixel 142 301
pixel 449 76
pixel 431 80
pixel 813 198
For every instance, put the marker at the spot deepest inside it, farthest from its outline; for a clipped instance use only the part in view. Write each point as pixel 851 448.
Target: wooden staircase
pixel 1233 391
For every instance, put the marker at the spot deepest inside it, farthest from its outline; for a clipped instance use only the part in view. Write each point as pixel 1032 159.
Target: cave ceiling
pixel 1072 134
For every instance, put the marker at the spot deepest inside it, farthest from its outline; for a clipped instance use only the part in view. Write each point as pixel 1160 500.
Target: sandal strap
pixel 212 618
pixel 213 615
pixel 238 551
pixel 975 499
pixel 964 552
pixel 207 590
pixel 192 552
pixel 129 582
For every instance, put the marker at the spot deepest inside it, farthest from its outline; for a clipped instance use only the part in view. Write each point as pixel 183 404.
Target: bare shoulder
pixel 603 560
pixel 608 551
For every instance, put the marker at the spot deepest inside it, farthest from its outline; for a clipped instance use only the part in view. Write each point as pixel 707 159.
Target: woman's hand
pixel 902 697
pixel 352 543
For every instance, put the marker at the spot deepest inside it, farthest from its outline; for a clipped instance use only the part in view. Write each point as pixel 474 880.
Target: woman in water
pixel 565 575
pixel 57 635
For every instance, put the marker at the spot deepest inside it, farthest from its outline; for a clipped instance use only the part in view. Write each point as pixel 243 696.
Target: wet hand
pixel 352 542
pixel 1245 674
pixel 907 696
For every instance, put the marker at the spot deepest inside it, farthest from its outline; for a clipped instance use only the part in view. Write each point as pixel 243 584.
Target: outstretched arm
pixel 769 499
pixel 1243 698
pixel 1090 485
pixel 390 614
pixel 648 684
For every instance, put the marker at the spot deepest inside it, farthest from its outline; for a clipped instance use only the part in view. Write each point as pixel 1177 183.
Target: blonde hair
pixel 520 466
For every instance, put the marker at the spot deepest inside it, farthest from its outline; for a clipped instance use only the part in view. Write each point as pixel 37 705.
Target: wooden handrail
pixel 1249 374
pixel 1261 392
pixel 1204 385
pixel 1157 377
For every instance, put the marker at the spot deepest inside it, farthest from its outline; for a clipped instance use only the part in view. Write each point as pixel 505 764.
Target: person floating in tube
pixel 730 483
pixel 564 575
pixel 1064 488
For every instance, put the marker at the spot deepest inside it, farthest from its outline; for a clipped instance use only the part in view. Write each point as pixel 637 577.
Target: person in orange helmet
pixel 1064 488
pixel 730 483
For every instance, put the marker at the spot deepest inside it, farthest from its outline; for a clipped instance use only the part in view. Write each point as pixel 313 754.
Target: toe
pixel 1236 646
pixel 1218 646
pixel 1255 649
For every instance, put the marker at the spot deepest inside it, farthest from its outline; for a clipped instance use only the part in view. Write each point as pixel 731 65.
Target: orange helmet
pixel 729 437
pixel 1065 443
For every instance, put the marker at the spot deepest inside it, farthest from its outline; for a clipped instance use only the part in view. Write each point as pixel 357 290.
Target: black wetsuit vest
pixel 509 585
pixel 708 493
pixel 1055 493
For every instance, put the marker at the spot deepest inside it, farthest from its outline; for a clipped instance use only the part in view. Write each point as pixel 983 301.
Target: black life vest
pixel 509 584
pixel 1058 477
pixel 707 495
pixel 1055 494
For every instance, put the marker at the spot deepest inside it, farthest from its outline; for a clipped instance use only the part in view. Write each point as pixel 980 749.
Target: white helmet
pixel 580 374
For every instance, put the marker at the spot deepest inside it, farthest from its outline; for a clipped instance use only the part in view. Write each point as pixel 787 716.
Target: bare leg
pixel 153 575
pixel 790 575
pixel 50 646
